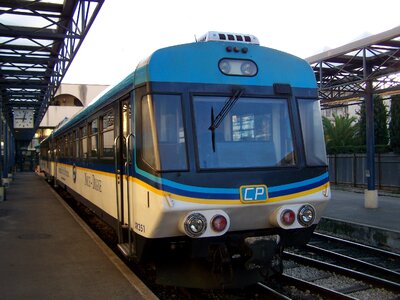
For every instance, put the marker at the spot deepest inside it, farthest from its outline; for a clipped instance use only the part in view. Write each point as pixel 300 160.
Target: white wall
pixel 84 92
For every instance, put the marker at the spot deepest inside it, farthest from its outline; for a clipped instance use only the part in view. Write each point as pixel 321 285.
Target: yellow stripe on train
pixel 207 201
pixel 223 201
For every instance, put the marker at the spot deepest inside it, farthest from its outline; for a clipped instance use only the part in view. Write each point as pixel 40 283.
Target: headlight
pixel 195 225
pixel 248 68
pixel 238 67
pixel 224 66
pixel 306 215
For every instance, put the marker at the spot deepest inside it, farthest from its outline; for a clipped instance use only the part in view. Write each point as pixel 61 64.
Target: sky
pixel 127 31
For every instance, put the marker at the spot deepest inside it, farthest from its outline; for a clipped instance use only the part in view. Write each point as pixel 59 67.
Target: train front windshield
pixel 241 134
pixel 252 133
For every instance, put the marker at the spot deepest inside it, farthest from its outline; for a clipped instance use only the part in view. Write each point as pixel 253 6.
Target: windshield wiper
pixel 224 111
pixel 215 122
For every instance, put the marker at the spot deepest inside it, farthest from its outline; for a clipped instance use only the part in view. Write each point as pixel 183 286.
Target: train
pixel 207 160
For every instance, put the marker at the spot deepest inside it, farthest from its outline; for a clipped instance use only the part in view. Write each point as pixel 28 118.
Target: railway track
pixel 351 270
pixel 362 258
pixel 333 268
pixel 290 287
pixel 306 278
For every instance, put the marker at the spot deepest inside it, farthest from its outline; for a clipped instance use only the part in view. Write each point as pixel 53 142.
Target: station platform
pixel 46 252
pixel 349 206
pixel 347 217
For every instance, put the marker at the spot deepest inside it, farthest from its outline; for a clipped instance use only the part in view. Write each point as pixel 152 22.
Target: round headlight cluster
pixel 195 225
pixel 238 67
pixel 306 215
pixel 206 223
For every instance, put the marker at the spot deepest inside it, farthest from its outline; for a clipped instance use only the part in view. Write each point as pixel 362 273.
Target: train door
pixel 50 160
pixel 56 152
pixel 123 146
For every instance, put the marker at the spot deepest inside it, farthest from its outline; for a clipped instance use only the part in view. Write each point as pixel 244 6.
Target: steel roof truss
pixel 34 59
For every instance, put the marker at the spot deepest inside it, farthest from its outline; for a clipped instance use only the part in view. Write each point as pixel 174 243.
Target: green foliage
pixel 394 125
pixel 381 132
pixel 339 133
pixel 361 125
pixel 381 121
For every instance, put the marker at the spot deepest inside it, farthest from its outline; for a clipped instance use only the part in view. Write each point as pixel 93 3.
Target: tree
pixel 340 132
pixel 394 125
pixel 381 132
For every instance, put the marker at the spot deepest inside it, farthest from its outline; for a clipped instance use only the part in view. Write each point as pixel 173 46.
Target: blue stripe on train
pixel 211 193
pixel 227 193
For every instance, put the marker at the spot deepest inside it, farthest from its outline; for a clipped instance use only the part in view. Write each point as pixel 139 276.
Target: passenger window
pixel 76 146
pixel 71 145
pixel 107 135
pixel 83 146
pixel 93 138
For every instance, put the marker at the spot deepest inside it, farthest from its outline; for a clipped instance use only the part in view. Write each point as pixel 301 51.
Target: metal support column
pixel 371 194
pixel 2 189
pixel 1 146
pixel 12 153
pixel 1 139
pixel 6 150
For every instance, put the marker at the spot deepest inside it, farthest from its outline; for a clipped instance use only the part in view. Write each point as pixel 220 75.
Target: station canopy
pixel 38 41
pixel 344 73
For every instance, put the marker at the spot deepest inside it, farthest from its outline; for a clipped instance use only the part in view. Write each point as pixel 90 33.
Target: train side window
pixel 51 150
pixel 94 138
pixel 83 142
pixel 107 135
pixel 76 145
pixel 64 145
pixel 59 149
pixel 43 151
pixel 312 130
pixel 71 145
pixel 163 134
pixel 148 134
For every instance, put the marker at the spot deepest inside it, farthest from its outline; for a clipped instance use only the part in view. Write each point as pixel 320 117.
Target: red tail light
pixel 218 223
pixel 288 217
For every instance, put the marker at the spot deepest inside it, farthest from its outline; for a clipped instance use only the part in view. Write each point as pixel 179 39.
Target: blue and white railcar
pixel 211 150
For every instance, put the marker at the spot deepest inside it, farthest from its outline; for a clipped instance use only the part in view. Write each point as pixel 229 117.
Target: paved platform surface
pixel 349 206
pixel 46 254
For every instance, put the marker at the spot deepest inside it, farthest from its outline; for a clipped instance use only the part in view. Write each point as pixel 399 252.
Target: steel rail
pixel 355 244
pixel 273 292
pixel 314 288
pixel 373 280
pixel 387 273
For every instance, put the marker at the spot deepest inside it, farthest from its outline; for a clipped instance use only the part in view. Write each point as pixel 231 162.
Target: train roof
pixel 190 63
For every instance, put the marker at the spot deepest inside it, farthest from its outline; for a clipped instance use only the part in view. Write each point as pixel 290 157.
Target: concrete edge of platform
pixel 362 233
pixel 116 261
pixel 359 190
